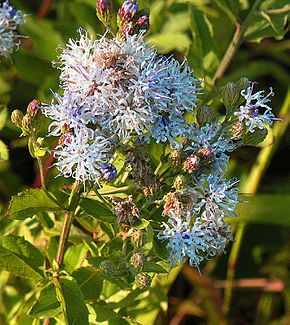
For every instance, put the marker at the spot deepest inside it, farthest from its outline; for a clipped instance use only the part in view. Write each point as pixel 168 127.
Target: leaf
pixel 140 224
pixel 74 257
pixel 89 281
pixel 30 202
pixel 3 117
pixel 4 153
pixel 20 257
pixel 252 139
pixel 270 22
pixel 97 210
pixel 106 315
pixel 167 42
pixel 47 304
pixel 265 209
pixel 153 267
pixel 73 302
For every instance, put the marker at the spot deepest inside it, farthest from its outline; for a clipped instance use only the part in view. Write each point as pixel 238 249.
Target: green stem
pixel 41 172
pixel 234 44
pixel 69 217
pixel 251 186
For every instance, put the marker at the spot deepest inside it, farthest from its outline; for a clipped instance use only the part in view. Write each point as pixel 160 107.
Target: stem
pixel 234 44
pixel 41 171
pixel 73 202
pixel 251 186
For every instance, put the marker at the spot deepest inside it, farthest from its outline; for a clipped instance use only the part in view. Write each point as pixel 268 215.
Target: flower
pixel 208 142
pixel 108 172
pixel 82 155
pixel 10 19
pixel 213 197
pixel 127 11
pixel 249 113
pixel 126 84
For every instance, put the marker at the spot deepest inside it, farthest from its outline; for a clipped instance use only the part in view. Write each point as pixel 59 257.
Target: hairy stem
pixel 234 44
pixel 41 172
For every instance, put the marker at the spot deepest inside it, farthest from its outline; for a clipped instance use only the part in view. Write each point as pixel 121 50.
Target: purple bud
pixel 108 172
pixel 125 30
pixel 103 9
pixel 127 12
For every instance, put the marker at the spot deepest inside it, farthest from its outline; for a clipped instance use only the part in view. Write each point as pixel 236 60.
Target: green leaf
pixel 168 42
pixel 47 304
pixel 265 209
pixel 20 257
pixel 30 202
pixel 153 267
pixel 97 210
pixel 160 248
pixel 3 117
pixel 252 139
pixel 89 281
pixel 4 153
pixel 73 303
pixel 74 257
pixel 106 315
pixel 140 224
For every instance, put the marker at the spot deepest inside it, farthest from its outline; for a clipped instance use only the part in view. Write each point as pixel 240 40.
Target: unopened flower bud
pixel 231 94
pixel 191 163
pixel 108 268
pixel 138 260
pixel 179 182
pixel 126 30
pixel 204 115
pixel 237 130
pixel 205 153
pixel 33 107
pixel 142 21
pixel 175 157
pixel 108 172
pixel 16 118
pixel 26 124
pixel 142 280
pixel 127 12
pixel 104 11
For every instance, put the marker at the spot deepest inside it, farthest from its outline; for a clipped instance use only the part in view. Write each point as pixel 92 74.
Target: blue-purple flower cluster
pixel 10 19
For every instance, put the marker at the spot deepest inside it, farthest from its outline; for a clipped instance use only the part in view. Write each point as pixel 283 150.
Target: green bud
pixel 175 157
pixel 142 280
pixel 26 124
pixel 237 131
pixel 231 94
pixel 16 118
pixel 138 260
pixel 179 182
pixel 204 115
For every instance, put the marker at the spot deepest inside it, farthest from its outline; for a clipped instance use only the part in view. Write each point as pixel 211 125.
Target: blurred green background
pixel 222 41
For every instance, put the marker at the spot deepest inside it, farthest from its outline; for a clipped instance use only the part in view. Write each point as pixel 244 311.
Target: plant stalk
pixel 234 44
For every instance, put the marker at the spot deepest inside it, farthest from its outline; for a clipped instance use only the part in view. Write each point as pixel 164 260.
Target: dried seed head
pixel 172 204
pixel 126 211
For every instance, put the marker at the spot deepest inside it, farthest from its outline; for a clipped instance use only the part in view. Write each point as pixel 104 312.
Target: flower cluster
pixel 118 89
pixel 10 19
pixel 249 113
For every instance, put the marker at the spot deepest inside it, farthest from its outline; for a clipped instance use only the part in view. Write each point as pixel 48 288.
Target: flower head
pixel 10 19
pixel 249 113
pixel 82 155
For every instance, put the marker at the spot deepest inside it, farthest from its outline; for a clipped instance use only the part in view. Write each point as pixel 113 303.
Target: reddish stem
pixel 43 10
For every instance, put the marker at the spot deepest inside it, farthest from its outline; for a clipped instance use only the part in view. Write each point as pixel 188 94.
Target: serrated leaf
pixel 30 202
pixel 4 153
pixel 73 302
pixel 97 210
pixel 106 315
pixel 160 248
pixel 252 139
pixel 20 257
pixel 47 304
pixel 89 281
pixel 3 117
pixel 153 267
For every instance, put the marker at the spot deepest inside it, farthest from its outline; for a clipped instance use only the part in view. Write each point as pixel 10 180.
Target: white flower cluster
pixel 198 229
pixel 249 113
pixel 117 88
pixel 10 19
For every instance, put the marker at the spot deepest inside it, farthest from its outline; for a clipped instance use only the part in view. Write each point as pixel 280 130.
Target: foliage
pixel 223 41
